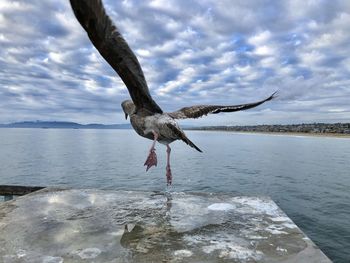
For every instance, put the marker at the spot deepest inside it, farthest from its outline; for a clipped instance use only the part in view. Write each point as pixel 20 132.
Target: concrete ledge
pixel 18 190
pixel 123 226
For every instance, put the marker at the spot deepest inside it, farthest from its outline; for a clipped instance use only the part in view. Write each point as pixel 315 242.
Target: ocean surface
pixel 308 177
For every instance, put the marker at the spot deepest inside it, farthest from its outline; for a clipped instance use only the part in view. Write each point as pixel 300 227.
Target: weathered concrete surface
pixel 107 226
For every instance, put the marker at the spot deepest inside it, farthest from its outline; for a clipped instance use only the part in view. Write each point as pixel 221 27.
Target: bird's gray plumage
pixel 145 115
pixel 163 124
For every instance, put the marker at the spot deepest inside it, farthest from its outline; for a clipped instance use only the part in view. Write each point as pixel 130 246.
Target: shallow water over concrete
pixel 125 226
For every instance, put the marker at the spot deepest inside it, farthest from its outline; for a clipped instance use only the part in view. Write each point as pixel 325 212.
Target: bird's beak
pixel 126 116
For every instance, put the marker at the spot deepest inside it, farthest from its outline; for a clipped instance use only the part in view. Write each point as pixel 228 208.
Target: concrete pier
pixel 54 225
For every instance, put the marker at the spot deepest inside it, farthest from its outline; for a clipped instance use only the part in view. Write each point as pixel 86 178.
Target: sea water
pixel 308 177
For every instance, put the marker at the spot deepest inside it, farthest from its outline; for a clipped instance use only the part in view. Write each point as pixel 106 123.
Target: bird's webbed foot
pixel 151 159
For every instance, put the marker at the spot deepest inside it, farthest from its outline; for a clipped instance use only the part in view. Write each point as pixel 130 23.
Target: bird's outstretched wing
pixel 109 42
pixel 202 110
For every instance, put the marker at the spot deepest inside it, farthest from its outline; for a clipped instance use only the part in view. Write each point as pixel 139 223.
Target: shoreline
pixel 329 135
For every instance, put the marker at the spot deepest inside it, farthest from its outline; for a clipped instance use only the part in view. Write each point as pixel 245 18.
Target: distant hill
pixel 336 128
pixel 314 128
pixel 63 125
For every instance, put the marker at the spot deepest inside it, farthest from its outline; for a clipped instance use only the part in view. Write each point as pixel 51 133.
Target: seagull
pixel 146 117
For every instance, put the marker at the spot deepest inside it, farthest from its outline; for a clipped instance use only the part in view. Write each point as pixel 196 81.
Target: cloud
pixel 198 52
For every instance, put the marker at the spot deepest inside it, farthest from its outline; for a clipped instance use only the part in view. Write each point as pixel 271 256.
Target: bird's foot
pixel 169 177
pixel 151 159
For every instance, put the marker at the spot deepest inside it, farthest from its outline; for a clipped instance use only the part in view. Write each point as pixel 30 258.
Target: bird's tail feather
pixel 181 135
pixel 187 141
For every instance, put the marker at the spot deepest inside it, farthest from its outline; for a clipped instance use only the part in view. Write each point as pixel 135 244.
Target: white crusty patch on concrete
pixel 183 253
pixel 290 225
pixel 281 249
pixel 227 246
pixel 117 233
pixel 221 207
pixel 50 259
pixel 229 250
pixel 255 237
pixel 256 205
pixel 21 253
pixel 89 253
pixel 275 230
pixel 280 219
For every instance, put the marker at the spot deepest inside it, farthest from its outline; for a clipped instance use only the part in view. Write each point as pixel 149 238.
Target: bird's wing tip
pixel 274 95
pixel 271 97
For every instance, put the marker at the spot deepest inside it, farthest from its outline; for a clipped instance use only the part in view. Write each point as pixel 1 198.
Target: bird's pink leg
pixel 152 157
pixel 169 177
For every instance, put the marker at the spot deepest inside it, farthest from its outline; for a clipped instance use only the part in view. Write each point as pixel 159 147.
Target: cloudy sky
pixel 192 52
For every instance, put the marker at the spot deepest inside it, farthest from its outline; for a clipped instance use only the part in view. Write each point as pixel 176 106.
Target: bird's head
pixel 128 107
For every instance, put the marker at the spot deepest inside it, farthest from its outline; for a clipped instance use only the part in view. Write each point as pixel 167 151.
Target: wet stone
pixel 124 226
